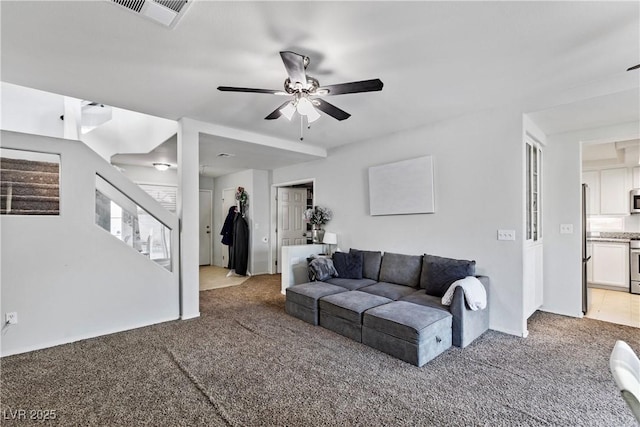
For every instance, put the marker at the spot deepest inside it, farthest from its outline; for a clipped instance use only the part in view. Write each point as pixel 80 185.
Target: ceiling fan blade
pixel 352 87
pixel 635 67
pixel 331 109
pixel 248 89
pixel 294 63
pixel 276 113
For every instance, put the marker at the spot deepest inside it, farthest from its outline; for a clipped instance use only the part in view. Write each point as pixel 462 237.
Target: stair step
pixel 28 165
pixel 15 198
pixel 29 212
pixel 29 176
pixel 26 189
pixel 31 203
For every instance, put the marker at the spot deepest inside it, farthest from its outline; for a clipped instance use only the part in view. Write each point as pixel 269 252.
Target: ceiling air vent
pixel 165 12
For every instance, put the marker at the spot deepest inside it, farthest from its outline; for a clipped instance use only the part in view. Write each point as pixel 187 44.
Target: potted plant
pixel 317 217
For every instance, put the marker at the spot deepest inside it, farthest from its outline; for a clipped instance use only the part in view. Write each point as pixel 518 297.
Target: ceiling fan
pixel 305 91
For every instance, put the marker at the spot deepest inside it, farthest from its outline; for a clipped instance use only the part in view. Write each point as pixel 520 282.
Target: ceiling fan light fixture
pixel 288 110
pixel 304 106
pixel 312 115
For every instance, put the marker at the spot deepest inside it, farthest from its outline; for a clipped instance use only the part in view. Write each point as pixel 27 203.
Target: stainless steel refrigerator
pixel 586 256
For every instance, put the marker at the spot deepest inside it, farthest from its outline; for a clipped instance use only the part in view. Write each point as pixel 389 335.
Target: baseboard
pixel 190 316
pixel 562 313
pixel 520 334
pixel 69 340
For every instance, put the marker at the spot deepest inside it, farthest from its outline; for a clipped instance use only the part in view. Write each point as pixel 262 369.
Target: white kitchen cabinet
pixel 610 264
pixel 592 179
pixel 614 192
pixel 636 177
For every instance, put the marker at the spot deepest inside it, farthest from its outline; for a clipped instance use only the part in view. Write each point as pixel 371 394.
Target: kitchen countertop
pixel 608 239
pixel 612 236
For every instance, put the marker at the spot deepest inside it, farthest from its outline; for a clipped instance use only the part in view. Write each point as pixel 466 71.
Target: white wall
pixel 478 190
pixel 69 279
pixel 31 111
pixel 129 132
pixel 260 226
pixel 562 197
pixel 206 183
pixel 149 175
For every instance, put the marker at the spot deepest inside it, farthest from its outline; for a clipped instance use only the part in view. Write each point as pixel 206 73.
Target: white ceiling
pixel 244 155
pixel 438 60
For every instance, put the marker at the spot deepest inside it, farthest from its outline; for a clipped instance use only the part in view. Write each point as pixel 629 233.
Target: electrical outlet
pixel 566 228
pixel 11 318
pixel 506 234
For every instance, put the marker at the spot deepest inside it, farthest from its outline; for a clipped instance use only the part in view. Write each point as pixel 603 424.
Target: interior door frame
pixel 210 222
pixel 273 252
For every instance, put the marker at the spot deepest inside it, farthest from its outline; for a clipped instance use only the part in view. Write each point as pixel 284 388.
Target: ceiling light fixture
pixel 161 166
pixel 303 106
pixel 288 110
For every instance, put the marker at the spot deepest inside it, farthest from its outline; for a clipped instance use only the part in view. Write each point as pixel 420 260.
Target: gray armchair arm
pixel 468 324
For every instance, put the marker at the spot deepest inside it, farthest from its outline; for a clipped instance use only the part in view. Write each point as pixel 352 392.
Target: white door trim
pixel 273 252
pixel 201 190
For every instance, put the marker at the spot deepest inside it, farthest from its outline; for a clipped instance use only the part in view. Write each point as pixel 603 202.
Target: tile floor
pixel 614 306
pixel 212 277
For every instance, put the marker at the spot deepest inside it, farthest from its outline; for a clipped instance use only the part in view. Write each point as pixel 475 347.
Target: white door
pixel 291 226
pixel 533 253
pixel 228 200
pixel 205 226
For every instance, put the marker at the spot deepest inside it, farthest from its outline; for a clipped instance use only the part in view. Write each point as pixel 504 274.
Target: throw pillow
pixel 401 269
pixel 348 265
pixel 321 269
pixel 370 264
pixel 438 273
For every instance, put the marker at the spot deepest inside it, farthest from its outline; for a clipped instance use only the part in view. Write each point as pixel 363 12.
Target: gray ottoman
pixel 342 313
pixel 410 332
pixel 302 300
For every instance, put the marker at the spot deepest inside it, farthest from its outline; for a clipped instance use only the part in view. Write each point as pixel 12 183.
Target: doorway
pixel 206 200
pixel 290 201
pixel 610 171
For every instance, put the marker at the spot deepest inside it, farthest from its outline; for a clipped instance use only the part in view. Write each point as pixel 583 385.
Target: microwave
pixel 634 202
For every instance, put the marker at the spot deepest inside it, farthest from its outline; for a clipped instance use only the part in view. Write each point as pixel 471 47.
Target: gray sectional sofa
pixel 391 302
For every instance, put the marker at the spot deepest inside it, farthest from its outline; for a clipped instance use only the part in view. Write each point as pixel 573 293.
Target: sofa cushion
pixel 307 294
pixel 350 305
pixel 407 321
pixel 350 284
pixel 321 269
pixel 348 265
pixel 370 263
pixel 420 297
pixel 438 273
pixel 388 290
pixel 401 269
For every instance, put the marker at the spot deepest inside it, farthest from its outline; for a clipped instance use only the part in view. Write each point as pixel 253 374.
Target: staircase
pixel 29 187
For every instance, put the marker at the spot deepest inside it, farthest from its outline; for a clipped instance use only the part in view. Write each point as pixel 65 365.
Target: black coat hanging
pixel 240 252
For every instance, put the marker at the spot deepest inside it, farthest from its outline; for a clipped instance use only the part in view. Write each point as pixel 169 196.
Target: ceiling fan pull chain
pixel 301 127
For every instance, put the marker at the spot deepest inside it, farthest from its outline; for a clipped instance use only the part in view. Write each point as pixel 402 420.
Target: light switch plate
pixel 506 234
pixel 566 228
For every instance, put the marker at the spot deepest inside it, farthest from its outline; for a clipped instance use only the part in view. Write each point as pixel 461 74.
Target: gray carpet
pixel 245 362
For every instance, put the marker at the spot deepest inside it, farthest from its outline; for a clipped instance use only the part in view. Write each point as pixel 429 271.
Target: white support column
pixel 188 212
pixel 72 118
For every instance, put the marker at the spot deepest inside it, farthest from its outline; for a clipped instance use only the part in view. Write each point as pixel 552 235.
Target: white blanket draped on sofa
pixel 474 293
